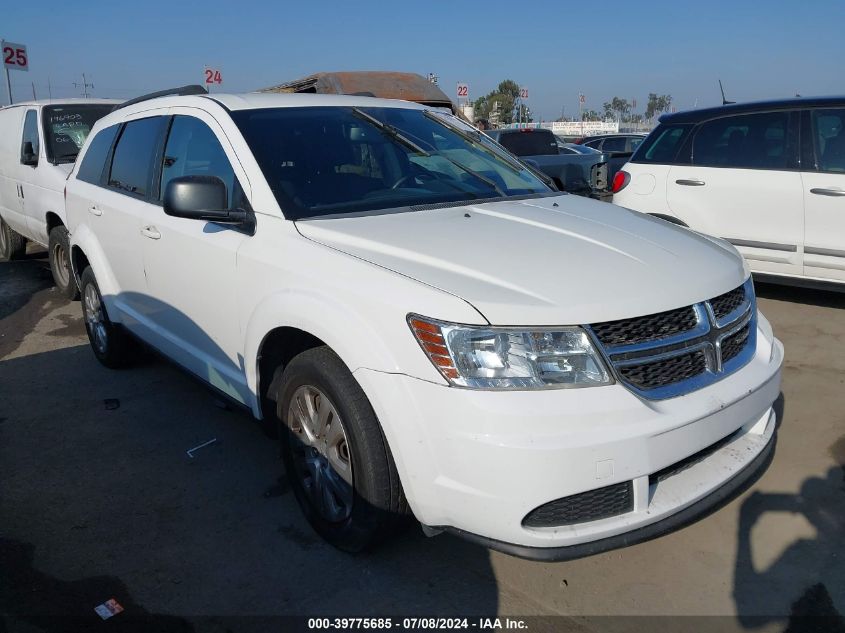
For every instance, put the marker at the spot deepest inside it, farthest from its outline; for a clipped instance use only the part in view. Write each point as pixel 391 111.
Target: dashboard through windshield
pixel 337 160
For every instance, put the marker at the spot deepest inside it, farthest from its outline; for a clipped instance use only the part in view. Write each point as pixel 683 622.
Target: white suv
pixel 431 329
pixel 39 141
pixel 769 177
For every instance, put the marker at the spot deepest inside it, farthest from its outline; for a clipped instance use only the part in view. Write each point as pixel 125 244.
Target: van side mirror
pixel 200 198
pixel 28 155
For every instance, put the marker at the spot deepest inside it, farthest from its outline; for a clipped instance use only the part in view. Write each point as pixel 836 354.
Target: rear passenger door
pixel 823 177
pixel 741 182
pixel 191 265
pixel 117 210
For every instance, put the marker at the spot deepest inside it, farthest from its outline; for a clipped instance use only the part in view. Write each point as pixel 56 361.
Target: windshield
pixel 337 160
pixel 67 126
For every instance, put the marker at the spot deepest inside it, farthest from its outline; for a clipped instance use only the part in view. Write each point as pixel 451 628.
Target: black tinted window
pixel 193 150
pixel 529 142
pixel 30 132
pixel 662 145
pixel 829 132
pixel 749 141
pixel 614 145
pixel 91 168
pixel 133 157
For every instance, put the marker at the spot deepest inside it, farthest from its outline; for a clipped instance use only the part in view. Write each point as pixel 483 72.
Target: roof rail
pixel 193 89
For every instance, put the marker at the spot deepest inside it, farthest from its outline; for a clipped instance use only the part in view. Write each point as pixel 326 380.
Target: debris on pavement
pixel 203 445
pixel 108 609
pixel 111 404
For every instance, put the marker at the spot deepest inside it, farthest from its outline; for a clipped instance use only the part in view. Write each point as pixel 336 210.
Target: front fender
pixel 353 336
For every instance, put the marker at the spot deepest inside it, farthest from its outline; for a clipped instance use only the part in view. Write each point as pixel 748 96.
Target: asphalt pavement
pixel 99 500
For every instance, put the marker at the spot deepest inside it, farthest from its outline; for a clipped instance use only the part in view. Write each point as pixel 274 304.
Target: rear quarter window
pixel 94 162
pixel 662 145
pixel 529 143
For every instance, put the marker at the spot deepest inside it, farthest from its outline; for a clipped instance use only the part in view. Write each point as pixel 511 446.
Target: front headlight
pixel 510 358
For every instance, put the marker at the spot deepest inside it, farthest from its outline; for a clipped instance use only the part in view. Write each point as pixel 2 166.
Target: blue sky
pixel 557 49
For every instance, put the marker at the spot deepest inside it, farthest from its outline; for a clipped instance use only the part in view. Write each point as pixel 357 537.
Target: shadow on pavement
pixel 96 484
pixel 825 298
pixel 805 585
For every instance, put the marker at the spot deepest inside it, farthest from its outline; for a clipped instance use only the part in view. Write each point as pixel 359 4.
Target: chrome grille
pixel 670 353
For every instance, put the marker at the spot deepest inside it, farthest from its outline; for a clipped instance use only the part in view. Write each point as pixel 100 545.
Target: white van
pixel 39 142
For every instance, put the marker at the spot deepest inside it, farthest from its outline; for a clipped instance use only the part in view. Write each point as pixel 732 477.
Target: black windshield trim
pixel 416 208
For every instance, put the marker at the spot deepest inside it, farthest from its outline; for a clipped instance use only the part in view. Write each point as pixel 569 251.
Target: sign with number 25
pixel 15 57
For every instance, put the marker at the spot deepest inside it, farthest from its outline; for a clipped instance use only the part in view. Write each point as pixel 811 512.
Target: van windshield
pixel 333 160
pixel 67 126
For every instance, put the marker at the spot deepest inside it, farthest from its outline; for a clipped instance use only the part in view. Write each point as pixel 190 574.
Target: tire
pixel 111 344
pixel 352 508
pixel 58 249
pixel 12 244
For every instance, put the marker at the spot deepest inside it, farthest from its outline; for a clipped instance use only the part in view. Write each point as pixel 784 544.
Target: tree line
pixel 502 106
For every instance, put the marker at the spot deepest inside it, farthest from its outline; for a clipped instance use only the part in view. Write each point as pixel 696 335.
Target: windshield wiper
pixel 67 158
pixel 390 131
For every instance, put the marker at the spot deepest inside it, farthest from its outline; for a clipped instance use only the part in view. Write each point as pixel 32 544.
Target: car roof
pixel 255 101
pixel 62 102
pixel 695 116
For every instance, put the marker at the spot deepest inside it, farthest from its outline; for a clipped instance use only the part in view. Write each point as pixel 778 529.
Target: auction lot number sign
pixel 15 56
pixel 213 76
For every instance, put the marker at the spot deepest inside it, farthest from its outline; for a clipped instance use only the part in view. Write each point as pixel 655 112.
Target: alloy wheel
pixel 321 453
pixel 95 318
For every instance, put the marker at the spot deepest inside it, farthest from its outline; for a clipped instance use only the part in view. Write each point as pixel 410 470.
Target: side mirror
pixel 200 198
pixel 28 155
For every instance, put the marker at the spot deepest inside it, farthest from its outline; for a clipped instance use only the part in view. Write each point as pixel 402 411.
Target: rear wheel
pixel 335 454
pixel 59 254
pixel 12 244
pixel 111 344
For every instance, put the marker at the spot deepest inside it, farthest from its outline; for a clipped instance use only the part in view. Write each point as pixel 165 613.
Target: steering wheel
pixel 404 179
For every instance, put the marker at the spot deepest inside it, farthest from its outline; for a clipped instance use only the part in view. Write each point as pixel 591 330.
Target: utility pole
pixel 33 92
pixel 85 85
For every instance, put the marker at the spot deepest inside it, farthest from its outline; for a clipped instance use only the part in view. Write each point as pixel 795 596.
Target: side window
pixel 614 145
pixel 131 167
pixel 594 144
pixel 94 162
pixel 751 141
pixel 662 145
pixel 830 139
pixel 193 150
pixel 30 133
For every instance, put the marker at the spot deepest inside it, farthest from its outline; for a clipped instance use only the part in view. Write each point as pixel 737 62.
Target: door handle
pixel 94 211
pixel 690 183
pixel 151 232
pixel 828 192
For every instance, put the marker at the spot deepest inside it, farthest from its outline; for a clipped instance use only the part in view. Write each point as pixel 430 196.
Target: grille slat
pixel 647 328
pixel 724 304
pixel 733 344
pixel 667 371
pixel 592 505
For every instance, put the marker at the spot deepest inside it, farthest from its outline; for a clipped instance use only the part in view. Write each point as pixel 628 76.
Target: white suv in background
pixel 769 177
pixel 431 329
pixel 39 141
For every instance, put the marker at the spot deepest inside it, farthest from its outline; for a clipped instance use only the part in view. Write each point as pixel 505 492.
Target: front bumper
pixel 477 462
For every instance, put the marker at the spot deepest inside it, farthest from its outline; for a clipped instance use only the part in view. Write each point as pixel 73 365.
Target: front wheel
pixel 59 255
pixel 111 344
pixel 335 455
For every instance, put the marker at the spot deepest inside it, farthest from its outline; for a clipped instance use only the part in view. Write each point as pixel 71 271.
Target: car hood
pixel 550 261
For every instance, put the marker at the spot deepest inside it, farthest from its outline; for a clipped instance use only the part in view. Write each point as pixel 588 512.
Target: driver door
pixel 191 264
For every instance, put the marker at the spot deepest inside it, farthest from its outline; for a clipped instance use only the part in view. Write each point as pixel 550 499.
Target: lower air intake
pixel 585 506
